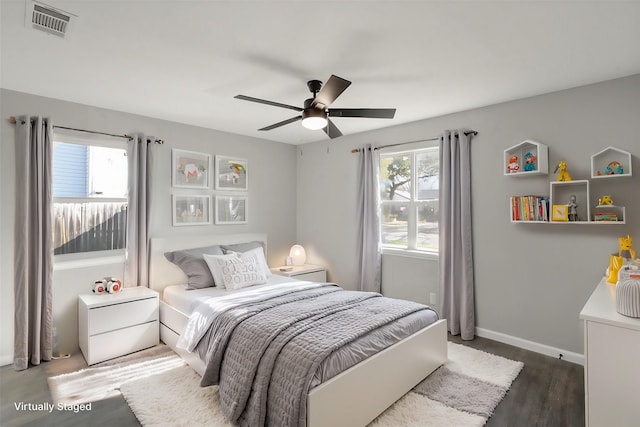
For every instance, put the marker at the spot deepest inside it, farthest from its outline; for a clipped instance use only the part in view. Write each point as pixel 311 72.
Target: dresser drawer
pixel 122 341
pixel 121 315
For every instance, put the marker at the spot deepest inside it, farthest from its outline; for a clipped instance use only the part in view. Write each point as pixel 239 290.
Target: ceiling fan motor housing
pixel 314 86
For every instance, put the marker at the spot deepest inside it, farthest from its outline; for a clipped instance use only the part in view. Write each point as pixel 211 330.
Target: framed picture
pixel 560 213
pixel 190 169
pixel 231 209
pixel 231 174
pixel 191 210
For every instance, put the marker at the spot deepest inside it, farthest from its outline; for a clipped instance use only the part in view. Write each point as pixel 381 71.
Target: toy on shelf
pixel 613 168
pixel 605 200
pixel 573 208
pixel 563 175
pixel 513 165
pixel 529 161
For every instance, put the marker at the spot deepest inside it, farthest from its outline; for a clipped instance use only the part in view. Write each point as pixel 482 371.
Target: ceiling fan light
pixel 314 123
pixel 314 118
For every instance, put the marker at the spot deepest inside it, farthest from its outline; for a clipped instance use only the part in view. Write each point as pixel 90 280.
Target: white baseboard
pixel 6 359
pixel 558 353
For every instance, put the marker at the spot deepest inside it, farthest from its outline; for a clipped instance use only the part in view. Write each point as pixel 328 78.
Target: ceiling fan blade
pixel 374 113
pixel 264 101
pixel 331 130
pixel 282 123
pixel 331 90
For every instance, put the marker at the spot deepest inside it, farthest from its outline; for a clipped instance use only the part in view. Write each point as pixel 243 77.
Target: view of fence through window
pixel 409 212
pixel 89 198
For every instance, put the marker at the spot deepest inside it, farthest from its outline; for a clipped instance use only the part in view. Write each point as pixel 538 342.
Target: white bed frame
pixel 350 399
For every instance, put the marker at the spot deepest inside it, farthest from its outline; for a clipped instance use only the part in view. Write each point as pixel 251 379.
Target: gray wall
pixel 531 279
pixel 272 203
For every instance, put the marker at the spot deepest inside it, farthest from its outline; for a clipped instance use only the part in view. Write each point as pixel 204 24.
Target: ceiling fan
pixel 316 111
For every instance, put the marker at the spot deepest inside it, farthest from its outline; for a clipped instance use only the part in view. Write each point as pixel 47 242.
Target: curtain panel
pixel 369 225
pixel 140 154
pixel 456 245
pixel 33 243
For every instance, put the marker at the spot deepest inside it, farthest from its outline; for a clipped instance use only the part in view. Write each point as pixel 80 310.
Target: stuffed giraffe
pixel 563 175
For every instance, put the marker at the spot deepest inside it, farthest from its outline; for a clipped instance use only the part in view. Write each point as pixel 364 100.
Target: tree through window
pixel 409 186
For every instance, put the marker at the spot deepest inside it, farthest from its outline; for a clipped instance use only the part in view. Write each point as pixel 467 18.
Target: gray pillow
pixel 242 247
pixel 192 263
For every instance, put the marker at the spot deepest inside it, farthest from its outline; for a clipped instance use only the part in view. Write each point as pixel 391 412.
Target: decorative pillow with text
pixel 235 270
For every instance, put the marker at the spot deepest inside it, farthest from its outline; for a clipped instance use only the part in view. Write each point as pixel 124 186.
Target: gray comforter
pixel 264 348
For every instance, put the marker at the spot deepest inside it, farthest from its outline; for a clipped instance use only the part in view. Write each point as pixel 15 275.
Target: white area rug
pixel 463 392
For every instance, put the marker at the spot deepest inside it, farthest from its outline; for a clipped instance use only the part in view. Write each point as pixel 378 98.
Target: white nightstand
pixel 112 325
pixel 312 273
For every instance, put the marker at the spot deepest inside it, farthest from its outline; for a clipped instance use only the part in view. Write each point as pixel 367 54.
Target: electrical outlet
pixel 433 298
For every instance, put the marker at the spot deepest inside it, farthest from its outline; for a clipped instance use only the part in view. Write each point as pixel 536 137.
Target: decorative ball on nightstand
pixel 628 297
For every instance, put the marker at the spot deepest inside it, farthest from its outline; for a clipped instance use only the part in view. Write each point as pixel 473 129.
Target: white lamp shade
pixel 298 255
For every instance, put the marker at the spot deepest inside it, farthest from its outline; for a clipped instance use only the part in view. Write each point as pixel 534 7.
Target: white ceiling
pixel 185 60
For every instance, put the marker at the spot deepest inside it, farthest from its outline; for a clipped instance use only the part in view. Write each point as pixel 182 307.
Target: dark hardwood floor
pixel 548 392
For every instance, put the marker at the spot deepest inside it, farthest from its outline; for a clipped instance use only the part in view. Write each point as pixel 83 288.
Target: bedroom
pixel 578 99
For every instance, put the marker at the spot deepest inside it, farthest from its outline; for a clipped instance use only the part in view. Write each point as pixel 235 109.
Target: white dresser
pixel 310 272
pixel 112 325
pixel 612 362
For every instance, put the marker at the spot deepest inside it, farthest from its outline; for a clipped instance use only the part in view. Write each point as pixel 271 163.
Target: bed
pixel 391 372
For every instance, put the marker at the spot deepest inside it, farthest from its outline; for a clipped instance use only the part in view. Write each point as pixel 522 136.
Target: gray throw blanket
pixel 264 353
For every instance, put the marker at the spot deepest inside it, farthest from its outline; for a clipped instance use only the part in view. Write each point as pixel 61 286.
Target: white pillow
pixel 236 270
pixel 262 261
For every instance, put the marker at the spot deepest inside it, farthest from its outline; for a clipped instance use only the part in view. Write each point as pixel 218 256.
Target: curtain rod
pixel 357 150
pixel 13 120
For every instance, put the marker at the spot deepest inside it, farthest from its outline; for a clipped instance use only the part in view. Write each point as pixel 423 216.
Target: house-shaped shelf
pixel 525 159
pixel 611 162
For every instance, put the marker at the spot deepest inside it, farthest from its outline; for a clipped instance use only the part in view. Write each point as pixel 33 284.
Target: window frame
pixel 88 258
pixel 411 250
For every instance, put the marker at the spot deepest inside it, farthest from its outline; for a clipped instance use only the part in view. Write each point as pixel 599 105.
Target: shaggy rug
pixel 463 392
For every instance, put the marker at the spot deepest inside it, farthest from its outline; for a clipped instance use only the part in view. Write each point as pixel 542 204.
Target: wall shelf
pixel 560 193
pixel 531 158
pixel 611 162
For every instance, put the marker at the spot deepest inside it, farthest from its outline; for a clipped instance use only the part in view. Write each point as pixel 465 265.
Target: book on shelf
pixel 529 208
pixel 605 216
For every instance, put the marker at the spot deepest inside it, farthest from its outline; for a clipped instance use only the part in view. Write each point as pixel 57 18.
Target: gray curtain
pixel 456 245
pixel 33 251
pixel 140 155
pixel 369 226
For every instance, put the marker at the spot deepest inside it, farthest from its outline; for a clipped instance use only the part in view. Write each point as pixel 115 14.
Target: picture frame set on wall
pixel 231 209
pixel 191 210
pixel 191 170
pixel 232 174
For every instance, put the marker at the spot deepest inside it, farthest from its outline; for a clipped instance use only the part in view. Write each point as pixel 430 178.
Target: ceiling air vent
pixel 47 18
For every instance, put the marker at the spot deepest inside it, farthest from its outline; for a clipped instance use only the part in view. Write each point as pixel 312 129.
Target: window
pixel 89 194
pixel 409 212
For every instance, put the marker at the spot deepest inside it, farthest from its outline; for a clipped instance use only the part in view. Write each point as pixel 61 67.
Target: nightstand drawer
pixel 121 315
pixel 122 341
pixel 316 276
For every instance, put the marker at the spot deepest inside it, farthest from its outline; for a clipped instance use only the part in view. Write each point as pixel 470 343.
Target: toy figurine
pixel 614 168
pixel 513 165
pixel 625 247
pixel 563 175
pixel 617 261
pixel 529 161
pixel 605 200
pixel 573 208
